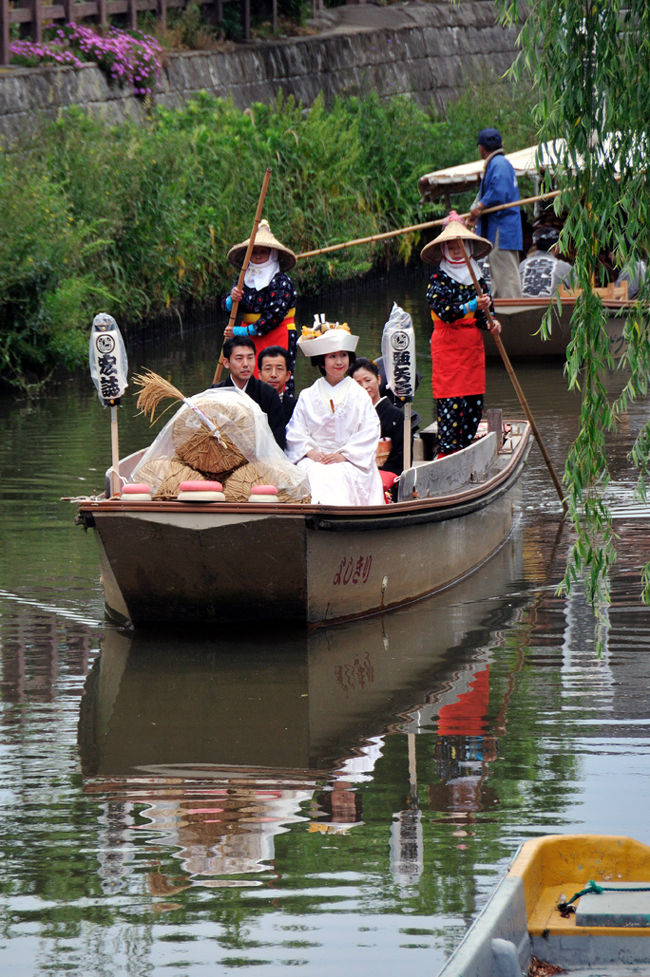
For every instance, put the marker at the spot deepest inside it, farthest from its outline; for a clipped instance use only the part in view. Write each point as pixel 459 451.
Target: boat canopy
pixel 532 161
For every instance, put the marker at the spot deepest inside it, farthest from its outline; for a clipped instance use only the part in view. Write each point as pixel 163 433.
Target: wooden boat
pixel 521 321
pixel 576 902
pixel 202 562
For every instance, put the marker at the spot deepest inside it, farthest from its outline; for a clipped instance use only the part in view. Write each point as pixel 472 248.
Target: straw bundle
pixel 214 451
pixel 237 487
pixel 164 474
pixel 154 388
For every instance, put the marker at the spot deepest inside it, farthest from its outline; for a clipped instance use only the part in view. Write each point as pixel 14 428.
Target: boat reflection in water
pixel 214 746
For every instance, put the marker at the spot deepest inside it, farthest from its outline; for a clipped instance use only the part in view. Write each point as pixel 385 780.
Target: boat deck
pixel 604 880
pixel 610 924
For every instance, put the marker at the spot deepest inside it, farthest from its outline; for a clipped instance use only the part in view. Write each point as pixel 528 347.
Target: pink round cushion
pixel 137 488
pixel 200 487
pixel 264 490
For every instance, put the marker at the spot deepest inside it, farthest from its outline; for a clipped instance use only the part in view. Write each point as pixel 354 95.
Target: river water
pixel 341 803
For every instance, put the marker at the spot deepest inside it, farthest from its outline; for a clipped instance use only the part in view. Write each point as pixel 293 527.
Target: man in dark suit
pixel 239 358
pixel 274 367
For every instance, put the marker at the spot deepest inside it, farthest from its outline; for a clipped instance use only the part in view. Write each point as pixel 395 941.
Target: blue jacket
pixel 499 186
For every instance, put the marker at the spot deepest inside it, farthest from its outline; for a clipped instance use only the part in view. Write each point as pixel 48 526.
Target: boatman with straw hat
pixel 267 299
pixel 458 315
pixel 334 430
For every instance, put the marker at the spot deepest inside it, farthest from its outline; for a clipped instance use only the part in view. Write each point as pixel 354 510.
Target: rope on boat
pixel 566 908
pixel 213 430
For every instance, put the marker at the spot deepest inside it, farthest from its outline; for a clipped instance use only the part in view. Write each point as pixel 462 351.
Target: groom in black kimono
pixel 239 358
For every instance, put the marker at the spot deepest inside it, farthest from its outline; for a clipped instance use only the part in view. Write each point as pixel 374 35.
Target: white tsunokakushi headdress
pixel 326 337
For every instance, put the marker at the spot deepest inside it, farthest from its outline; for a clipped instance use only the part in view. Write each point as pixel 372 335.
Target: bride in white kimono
pixel 334 429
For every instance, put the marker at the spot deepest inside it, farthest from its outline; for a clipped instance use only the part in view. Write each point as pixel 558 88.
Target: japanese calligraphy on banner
pixel 398 354
pixel 108 361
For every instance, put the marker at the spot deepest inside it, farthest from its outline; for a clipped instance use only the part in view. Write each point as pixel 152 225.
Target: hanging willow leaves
pixel 590 66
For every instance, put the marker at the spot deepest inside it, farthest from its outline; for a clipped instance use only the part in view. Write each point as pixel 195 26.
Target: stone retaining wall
pixel 427 51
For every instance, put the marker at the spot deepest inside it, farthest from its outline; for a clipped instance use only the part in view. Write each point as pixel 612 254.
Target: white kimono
pixel 340 418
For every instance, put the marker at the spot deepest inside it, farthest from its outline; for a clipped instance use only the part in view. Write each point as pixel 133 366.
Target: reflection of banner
pixel 406 847
pixel 466 716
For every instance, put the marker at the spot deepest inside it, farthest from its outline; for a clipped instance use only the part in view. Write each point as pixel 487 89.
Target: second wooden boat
pixel 521 322
pixel 575 904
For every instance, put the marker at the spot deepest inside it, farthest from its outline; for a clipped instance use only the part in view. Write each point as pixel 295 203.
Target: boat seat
pixel 449 474
pixel 619 904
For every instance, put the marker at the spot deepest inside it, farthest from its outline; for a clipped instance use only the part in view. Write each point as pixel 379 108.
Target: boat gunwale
pixel 543 863
pixel 543 301
pixel 377 514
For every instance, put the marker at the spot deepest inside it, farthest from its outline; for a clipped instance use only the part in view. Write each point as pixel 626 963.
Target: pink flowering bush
pixel 127 57
pixel 31 55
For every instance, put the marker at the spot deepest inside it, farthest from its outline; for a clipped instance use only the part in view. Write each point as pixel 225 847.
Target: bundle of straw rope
pixel 212 433
pixel 154 388
pixel 214 451
pixel 237 486
pixel 164 475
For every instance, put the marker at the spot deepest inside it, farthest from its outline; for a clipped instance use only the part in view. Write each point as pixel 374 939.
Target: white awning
pixel 531 161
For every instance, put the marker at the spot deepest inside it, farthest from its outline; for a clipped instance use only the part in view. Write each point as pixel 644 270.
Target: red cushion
pixel 264 490
pixel 388 479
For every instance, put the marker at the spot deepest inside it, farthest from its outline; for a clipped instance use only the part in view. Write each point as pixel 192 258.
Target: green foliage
pixel 590 63
pixel 137 218
pixel 46 273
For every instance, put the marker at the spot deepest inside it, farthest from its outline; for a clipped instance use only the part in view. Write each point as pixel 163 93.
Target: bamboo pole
pixel 516 385
pixel 422 227
pixel 247 258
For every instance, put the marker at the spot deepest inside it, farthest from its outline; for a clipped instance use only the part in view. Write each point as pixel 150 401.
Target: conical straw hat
pixel 263 239
pixel 432 252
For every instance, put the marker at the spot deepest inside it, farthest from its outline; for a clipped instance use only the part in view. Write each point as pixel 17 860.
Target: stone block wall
pixel 426 50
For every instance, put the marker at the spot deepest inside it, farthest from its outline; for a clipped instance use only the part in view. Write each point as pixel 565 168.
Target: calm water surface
pixel 339 803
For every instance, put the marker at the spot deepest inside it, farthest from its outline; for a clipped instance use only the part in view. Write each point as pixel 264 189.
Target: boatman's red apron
pixel 276 337
pixel 457 357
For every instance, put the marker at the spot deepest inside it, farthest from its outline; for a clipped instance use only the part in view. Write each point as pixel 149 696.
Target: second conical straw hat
pixel 432 252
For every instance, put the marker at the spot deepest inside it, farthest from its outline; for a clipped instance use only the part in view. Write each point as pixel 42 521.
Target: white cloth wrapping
pixel 340 418
pixel 260 274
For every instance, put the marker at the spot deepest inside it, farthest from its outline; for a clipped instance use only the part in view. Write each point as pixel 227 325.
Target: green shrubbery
pixel 135 219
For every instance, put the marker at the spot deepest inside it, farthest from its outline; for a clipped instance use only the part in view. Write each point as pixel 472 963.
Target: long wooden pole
pixel 516 385
pixel 115 453
pixel 422 227
pixel 247 258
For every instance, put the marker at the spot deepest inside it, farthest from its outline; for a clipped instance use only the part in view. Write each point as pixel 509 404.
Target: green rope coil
pixel 592 887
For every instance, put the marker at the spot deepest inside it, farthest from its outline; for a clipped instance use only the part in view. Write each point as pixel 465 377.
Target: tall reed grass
pixel 135 219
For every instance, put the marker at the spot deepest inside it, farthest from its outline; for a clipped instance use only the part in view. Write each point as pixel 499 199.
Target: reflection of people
pixel 334 430
pixel 458 314
pixel 239 358
pixel 268 298
pixel 391 420
pixel 274 367
pixel 503 227
pixel 340 806
pixel 541 271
